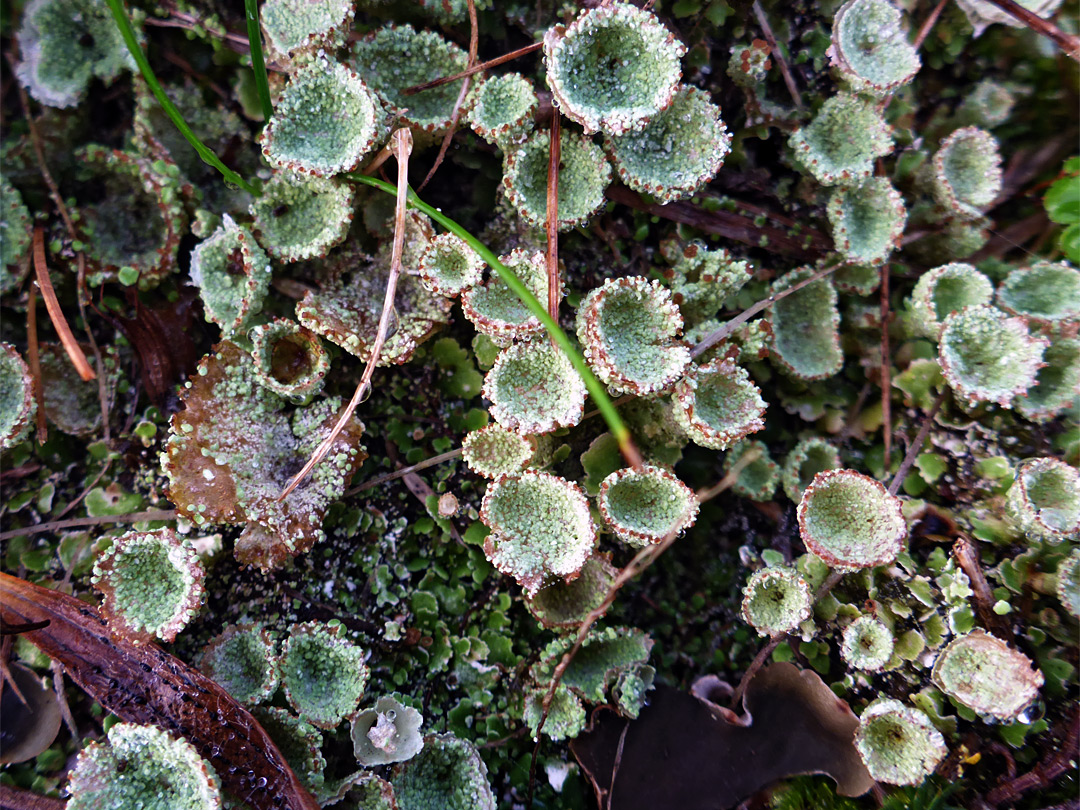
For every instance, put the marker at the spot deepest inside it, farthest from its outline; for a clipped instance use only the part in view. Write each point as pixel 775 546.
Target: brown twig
pixel 928 24
pixel 479 68
pixel 13 798
pixel 806 245
pixel 552 224
pixel 641 561
pixel 886 366
pixel 1069 43
pixel 402 144
pixel 71 523
pixel 724 331
pixel 474 44
pixel 967 558
pixel 56 315
pixel 1059 760
pixel 785 71
pixel 61 699
pixel 917 444
pixel 33 358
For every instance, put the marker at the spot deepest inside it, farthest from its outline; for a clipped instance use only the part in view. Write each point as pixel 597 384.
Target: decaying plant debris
pixel 472 404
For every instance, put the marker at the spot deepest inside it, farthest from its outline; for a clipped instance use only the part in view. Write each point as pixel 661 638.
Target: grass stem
pixel 258 63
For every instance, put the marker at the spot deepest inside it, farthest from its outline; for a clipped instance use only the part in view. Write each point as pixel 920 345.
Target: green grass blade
pixel 596 389
pixel 258 64
pixel 128 33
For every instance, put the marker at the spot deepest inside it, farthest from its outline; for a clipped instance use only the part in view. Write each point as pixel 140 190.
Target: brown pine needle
pixel 553 216
pixel 480 68
pixel 59 322
pixel 402 143
pixel 929 24
pixel 886 365
pixel 33 358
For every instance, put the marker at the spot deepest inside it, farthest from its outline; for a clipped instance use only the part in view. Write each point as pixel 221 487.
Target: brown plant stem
pixel 806 245
pixel 402 145
pixel 641 561
pixel 33 359
pixel 967 557
pixel 785 71
pixel 13 798
pixel 56 315
pixel 1059 760
pixel 552 224
pixel 71 523
pixel 724 331
pixel 1069 43
pixel 916 445
pixel 928 24
pixel 393 476
pixel 480 68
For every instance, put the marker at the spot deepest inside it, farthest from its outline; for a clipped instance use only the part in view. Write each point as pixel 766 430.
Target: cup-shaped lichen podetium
pixel 839 146
pixel 17 403
pixel 566 605
pixel 133 227
pixel 613 68
pixel 232 274
pixel 323 674
pixel 142 766
pixel 850 521
pixel 679 150
pixel 242 660
pixel 534 388
pixel 1044 500
pixel 496 311
pixel 966 172
pixel 302 218
pixel 807 458
pixel 870 47
pixel 1056 383
pixel 898 744
pixel 944 290
pixel 985 674
pixel 867 644
pixel 503 109
pixel 986 356
pixel 717 404
pixel 388 732
pixel 295 27
pixel 584 173
pixel 806 328
pixel 1047 294
pixel 65 44
pixel 448 266
pixel 324 123
pixel 447 773
pixel 290 360
pixel 628 327
pixel 1068 583
pixel 868 220
pixel 540 528
pixel 758 479
pixel 645 505
pixel 396 57
pixel 775 601
pixel 15 246
pixel 151 585
pixel 494 451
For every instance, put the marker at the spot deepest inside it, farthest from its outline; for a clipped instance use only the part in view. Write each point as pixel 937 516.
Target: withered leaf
pixel 147 685
pixel 684 751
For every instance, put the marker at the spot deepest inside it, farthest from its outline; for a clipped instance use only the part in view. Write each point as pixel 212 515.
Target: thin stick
pixel 886 365
pixel 642 560
pixel 258 64
pixel 480 68
pixel 128 33
pixel 916 445
pixel 724 331
pixel 402 143
pixel 506 275
pixel 73 523
pixel 56 315
pixel 34 360
pixel 392 476
pixel 929 24
pixel 1069 43
pixel 968 558
pixel 785 71
pixel 552 224
pixel 57 670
